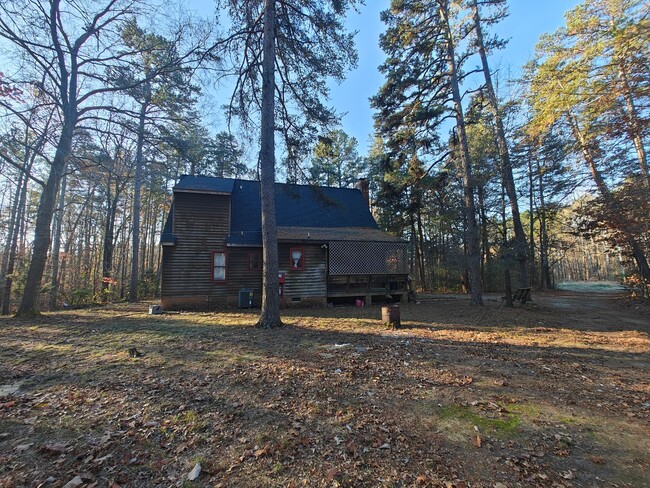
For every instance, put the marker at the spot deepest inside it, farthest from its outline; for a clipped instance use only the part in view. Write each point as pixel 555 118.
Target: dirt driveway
pixel 556 393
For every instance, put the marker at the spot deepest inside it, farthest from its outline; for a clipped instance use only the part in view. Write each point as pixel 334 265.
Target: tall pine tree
pixel 284 52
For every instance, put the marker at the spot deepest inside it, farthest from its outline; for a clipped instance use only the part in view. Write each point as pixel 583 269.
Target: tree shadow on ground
pixel 341 376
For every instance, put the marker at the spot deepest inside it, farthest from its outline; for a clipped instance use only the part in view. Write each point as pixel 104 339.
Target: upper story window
pixel 296 258
pixel 254 261
pixel 219 264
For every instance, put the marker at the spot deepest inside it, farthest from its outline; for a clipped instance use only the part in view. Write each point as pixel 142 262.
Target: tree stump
pixel 390 316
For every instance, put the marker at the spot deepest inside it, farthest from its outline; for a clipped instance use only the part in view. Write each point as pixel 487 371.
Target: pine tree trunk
pixel 637 250
pixel 508 297
pixel 108 248
pixel 85 250
pixel 531 230
pixel 144 236
pixel 421 247
pixel 9 254
pixel 504 155
pixel 270 313
pixel 56 246
pixel 545 280
pixel 633 121
pixel 137 188
pixel 485 243
pixel 473 240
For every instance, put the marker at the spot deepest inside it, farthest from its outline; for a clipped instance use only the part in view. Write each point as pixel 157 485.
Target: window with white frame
pixel 219 263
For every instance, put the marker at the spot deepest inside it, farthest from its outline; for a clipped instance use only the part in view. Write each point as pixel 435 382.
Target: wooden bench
pixel 522 295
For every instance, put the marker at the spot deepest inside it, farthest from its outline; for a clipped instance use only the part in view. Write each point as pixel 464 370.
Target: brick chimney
pixel 363 185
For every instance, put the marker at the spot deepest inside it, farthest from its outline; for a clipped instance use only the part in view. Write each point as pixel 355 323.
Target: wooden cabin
pixel 329 245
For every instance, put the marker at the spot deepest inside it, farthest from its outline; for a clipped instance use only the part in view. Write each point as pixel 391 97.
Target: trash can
pixel 390 316
pixel 245 298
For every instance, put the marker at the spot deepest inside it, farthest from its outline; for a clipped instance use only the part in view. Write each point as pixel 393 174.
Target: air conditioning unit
pixel 245 298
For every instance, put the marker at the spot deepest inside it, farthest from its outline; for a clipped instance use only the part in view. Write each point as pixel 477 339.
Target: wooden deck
pixel 393 287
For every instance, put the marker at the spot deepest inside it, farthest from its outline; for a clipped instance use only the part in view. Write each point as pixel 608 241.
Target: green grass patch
pixel 528 410
pixel 189 420
pixel 502 426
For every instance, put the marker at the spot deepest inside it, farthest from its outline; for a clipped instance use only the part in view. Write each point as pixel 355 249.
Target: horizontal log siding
pixel 240 277
pixel 309 282
pixel 201 225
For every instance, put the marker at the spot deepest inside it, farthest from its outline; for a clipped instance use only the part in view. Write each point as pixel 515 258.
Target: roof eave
pixel 211 192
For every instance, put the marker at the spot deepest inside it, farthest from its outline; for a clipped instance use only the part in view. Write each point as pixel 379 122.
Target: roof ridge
pixel 307 185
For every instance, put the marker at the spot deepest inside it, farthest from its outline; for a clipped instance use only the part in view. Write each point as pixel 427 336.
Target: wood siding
pixel 201 225
pixel 310 282
pixel 239 276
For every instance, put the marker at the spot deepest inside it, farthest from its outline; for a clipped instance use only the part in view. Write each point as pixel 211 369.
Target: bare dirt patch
pixel 556 393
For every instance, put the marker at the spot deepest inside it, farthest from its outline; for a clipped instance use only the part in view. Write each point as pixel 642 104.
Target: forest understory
pixel 554 393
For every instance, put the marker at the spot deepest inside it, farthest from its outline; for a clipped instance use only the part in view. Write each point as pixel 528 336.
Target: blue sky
pixel 527 21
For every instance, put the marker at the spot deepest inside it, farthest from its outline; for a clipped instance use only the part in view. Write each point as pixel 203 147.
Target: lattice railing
pixel 350 258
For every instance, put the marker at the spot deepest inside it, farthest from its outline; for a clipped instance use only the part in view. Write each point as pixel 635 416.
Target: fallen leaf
pixel 102 459
pixel 195 473
pixel 87 476
pixel 24 447
pixel 54 447
pixel 568 475
pixel 263 452
pixel 74 482
pixel 351 448
pixel 331 473
pixel 47 482
pixel 597 459
pixel 477 441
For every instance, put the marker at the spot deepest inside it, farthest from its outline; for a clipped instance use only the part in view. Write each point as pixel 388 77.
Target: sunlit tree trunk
pixel 270 313
pixel 473 240
pixel 28 305
pixel 545 269
pixel 137 189
pixel 56 246
pixel 531 224
pixel 504 154
pixel 637 250
pixel 9 254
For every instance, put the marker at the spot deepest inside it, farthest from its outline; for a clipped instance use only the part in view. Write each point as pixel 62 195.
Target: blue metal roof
pixel 295 206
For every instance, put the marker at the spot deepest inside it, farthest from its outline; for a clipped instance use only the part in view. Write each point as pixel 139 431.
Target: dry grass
pixel 555 394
